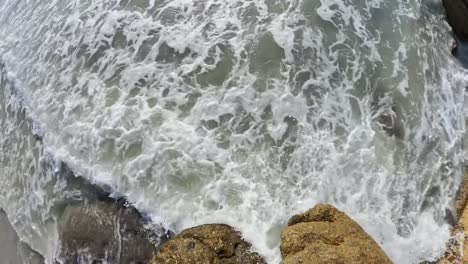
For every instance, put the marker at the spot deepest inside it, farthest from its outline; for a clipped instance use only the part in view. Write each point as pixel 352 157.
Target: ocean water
pixel 236 112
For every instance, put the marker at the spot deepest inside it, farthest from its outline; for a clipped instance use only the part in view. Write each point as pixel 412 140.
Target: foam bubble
pixel 237 112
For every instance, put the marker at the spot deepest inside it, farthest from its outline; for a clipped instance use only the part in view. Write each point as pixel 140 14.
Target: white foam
pixel 129 96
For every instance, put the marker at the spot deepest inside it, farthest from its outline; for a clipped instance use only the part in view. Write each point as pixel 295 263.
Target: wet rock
pixel 103 232
pixel 457 247
pixel 97 225
pixel 462 197
pixel 210 244
pixel 457 16
pixel 461 235
pixel 388 115
pixel 326 235
pixel 391 122
pixel 452 254
pixel 12 250
pixel 460 51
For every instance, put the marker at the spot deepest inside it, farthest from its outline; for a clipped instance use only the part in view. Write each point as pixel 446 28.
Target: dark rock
pixel 460 51
pixel 391 121
pixel 96 225
pixel 103 232
pixel 457 15
pixel 12 250
pixel 208 244
pixel 326 235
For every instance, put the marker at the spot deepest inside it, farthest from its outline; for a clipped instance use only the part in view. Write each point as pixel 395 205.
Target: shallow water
pixel 240 112
pixel 13 251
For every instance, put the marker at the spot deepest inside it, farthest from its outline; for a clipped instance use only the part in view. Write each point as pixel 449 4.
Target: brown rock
pixel 457 15
pixel 463 236
pixel 326 235
pixel 452 254
pixel 457 247
pixel 462 196
pixel 208 244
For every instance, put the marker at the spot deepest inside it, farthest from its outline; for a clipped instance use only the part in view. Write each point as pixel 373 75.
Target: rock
pixel 462 197
pixel 391 122
pixel 12 250
pixel 460 51
pixel 457 15
pixel 452 254
pixel 457 247
pixel 103 232
pixel 461 235
pixel 208 244
pixel 96 225
pixel 326 235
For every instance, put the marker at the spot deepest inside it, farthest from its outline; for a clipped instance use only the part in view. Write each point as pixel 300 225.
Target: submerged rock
pixel 326 235
pixel 392 123
pixel 208 244
pixel 12 250
pixel 103 232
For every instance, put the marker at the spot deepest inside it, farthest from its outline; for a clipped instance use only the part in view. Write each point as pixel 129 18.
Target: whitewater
pixel 236 112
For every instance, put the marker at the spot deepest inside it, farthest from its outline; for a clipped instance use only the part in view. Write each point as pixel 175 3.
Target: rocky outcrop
pixel 208 244
pixel 457 16
pixel 12 250
pixel 461 236
pixel 94 228
pixel 103 232
pixel 321 235
pixel 457 247
pixel 97 227
pixel 326 235
pixel 462 197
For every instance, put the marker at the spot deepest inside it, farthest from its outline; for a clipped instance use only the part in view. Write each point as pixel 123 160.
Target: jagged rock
pixel 456 252
pixel 452 254
pixel 208 244
pixel 103 232
pixel 457 247
pixel 326 235
pixel 461 236
pixel 462 197
pixel 12 250
pixel 97 227
pixel 457 15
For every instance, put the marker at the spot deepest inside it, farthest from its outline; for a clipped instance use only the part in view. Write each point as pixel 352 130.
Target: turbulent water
pixel 240 112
